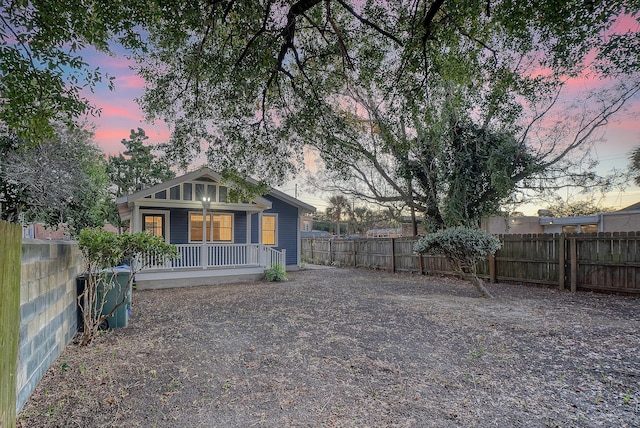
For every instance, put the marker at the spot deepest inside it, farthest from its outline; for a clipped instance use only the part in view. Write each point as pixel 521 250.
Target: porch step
pixel 149 280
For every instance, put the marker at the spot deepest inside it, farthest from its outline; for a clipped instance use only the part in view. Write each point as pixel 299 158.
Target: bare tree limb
pixel 343 49
pixel 427 22
pixel 368 23
pixel 259 33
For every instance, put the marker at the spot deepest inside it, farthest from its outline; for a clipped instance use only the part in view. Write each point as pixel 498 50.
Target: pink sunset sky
pixel 120 113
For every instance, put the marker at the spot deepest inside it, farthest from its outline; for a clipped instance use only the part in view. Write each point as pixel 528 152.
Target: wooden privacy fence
pixel 10 254
pixel 606 262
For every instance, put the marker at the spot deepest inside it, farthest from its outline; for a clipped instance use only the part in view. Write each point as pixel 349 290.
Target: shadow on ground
pixel 353 347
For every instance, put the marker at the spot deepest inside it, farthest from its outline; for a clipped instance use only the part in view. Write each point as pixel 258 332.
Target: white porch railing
pixel 270 256
pixel 218 255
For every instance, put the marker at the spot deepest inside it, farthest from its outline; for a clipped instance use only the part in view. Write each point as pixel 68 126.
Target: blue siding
pixel 240 227
pixel 179 225
pixel 287 227
pixel 255 228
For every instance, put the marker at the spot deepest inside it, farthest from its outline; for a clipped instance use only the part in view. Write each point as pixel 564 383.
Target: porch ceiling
pixel 163 203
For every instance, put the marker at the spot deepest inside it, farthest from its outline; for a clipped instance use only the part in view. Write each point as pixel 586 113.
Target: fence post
pixel 561 261
pixel 353 243
pixel 393 255
pixel 574 265
pixel 330 253
pixel 492 268
pixel 420 261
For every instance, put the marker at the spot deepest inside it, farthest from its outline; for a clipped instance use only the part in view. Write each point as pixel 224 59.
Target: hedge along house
pixel 218 240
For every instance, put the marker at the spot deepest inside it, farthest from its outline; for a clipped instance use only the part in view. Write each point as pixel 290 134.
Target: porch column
pixel 136 220
pixel 204 256
pixel 262 261
pixel 248 239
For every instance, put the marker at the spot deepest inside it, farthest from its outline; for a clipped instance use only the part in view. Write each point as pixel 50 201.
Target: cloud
pixel 130 82
pixel 110 132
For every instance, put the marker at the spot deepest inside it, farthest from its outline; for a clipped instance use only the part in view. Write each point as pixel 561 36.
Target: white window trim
pixel 233 226
pixel 276 231
pixel 167 219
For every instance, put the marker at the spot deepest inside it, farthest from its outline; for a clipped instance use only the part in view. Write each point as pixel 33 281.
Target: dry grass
pixel 345 347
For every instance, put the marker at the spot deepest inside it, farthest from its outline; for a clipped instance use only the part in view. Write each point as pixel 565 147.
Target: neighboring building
pixel 60 233
pixel 306 223
pixel 384 233
pixel 41 231
pixel 194 213
pixel 624 220
pixel 501 225
pixel 315 234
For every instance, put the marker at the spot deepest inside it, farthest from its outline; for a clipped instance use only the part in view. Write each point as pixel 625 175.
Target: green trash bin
pixel 114 295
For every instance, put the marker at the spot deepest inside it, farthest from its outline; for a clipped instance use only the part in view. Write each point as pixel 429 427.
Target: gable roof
pixel 303 207
pixel 208 172
pixel 634 207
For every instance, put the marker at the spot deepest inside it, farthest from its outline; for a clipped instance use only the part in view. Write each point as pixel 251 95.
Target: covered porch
pixel 220 233
pixel 221 263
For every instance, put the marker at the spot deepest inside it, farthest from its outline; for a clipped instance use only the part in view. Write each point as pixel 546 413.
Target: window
pixel 222 227
pixel 174 193
pixel 186 191
pixel 583 228
pixel 154 224
pixel 219 227
pixel 269 229
pixel 211 192
pixel 199 192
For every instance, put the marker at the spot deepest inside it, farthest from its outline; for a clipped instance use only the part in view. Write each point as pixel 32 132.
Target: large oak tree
pixel 441 100
pixel 254 83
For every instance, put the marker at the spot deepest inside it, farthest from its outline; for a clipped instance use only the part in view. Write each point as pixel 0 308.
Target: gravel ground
pixel 353 348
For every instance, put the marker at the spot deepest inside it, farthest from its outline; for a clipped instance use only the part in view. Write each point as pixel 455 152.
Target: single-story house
pixel 195 213
pixel 384 233
pixel 315 234
pixel 624 220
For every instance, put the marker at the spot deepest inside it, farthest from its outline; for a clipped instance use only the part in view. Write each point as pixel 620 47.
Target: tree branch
pixel 262 29
pixel 585 132
pixel 427 23
pixel 343 49
pixel 368 23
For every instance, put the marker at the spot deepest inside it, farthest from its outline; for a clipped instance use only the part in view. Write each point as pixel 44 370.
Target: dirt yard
pixel 354 348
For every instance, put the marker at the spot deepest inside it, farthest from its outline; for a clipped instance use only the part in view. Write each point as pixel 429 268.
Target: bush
pixel 276 272
pixel 101 251
pixel 459 243
pixel 464 247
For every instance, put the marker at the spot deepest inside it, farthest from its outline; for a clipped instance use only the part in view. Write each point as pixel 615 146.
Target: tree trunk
pixel 414 223
pixel 479 285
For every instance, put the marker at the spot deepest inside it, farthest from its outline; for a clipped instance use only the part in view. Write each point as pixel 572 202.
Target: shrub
pixel 102 251
pixel 276 272
pixel 464 247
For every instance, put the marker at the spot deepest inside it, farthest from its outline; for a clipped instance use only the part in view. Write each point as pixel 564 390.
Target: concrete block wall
pixel 48 314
